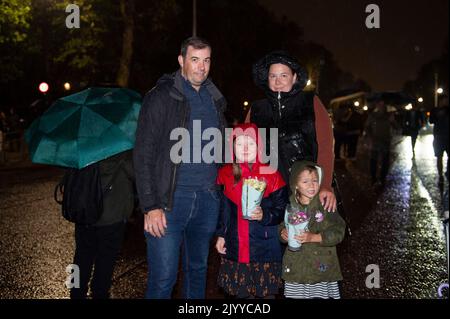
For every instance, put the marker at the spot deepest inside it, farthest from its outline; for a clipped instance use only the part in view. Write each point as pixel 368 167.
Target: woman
pixel 304 127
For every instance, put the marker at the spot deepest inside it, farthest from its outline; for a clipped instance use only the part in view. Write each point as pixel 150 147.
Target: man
pixel 180 200
pixel 439 117
pixel 355 127
pixel 379 131
pixel 340 129
pixel 413 121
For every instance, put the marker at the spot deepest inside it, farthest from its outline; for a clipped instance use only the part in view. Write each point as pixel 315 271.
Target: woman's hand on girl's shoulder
pixel 328 200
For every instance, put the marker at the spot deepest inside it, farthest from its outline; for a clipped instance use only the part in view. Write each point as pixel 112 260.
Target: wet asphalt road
pixel 398 229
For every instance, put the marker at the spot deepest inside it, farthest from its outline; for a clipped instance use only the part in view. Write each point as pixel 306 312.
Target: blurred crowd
pixel 348 127
pixel 379 123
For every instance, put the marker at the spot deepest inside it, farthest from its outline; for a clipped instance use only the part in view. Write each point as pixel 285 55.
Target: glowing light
pixel 43 87
pixel 67 86
pixel 365 108
pixel 440 91
pixel 245 103
pixel 420 99
pixel 356 103
pixel 408 107
pixel 308 82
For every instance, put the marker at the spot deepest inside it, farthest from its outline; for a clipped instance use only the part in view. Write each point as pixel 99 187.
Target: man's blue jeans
pixel 190 226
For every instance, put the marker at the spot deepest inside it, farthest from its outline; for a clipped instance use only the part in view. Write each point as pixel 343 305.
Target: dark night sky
pixel 411 33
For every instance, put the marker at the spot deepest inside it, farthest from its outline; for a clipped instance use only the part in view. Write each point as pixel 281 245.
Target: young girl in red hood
pixel 251 254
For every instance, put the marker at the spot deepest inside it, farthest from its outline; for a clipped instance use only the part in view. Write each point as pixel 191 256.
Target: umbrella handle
pixel 59 188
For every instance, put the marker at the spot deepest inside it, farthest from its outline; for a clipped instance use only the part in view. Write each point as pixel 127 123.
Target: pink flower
pixel 319 217
pixel 297 218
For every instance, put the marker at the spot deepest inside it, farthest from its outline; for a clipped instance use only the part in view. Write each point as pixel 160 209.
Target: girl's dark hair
pixel 309 168
pixel 237 172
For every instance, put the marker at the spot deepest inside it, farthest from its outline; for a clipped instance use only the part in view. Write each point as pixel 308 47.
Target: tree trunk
pixel 127 10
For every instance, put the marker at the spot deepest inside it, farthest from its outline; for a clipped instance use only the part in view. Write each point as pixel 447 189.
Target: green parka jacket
pixel 314 262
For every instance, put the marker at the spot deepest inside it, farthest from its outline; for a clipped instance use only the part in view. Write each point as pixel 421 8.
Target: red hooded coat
pixel 251 241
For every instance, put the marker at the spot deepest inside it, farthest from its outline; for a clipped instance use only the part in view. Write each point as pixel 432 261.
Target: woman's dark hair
pixel 260 69
pixel 196 42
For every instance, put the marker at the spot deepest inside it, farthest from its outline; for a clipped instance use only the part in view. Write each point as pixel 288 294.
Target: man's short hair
pixel 196 42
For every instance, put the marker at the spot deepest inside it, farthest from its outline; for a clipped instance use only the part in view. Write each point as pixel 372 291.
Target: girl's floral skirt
pixel 253 279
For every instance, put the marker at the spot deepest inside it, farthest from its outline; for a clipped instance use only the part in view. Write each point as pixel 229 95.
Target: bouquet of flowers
pixel 296 222
pixel 252 194
pixel 295 218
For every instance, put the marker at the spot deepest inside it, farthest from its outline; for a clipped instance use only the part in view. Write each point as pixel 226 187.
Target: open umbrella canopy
pixel 84 128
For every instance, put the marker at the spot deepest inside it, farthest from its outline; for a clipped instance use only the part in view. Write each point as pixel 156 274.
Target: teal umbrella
pixel 85 127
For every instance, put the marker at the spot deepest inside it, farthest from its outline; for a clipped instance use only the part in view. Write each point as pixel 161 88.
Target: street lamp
pixel 43 87
pixel 436 77
pixel 437 91
pixel 194 18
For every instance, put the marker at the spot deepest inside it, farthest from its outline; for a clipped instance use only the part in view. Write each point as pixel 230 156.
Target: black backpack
pixel 82 194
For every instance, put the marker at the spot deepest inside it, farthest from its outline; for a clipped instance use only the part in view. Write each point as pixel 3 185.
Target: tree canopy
pixel 132 43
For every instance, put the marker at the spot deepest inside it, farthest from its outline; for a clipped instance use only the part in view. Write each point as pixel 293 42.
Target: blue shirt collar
pixel 187 86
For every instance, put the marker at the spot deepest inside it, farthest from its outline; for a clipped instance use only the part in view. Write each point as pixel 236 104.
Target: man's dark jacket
pixel 164 109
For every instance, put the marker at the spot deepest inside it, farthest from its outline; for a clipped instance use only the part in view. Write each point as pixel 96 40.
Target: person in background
pixel 98 245
pixel 378 130
pixel 439 116
pixel 355 127
pixel 413 121
pixel 340 129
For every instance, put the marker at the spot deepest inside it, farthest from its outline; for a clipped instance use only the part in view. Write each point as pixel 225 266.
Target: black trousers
pixel 376 155
pixel 414 139
pixel 339 141
pixel 352 144
pixel 96 247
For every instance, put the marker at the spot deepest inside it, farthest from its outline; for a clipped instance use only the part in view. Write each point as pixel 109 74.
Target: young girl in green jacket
pixel 312 271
